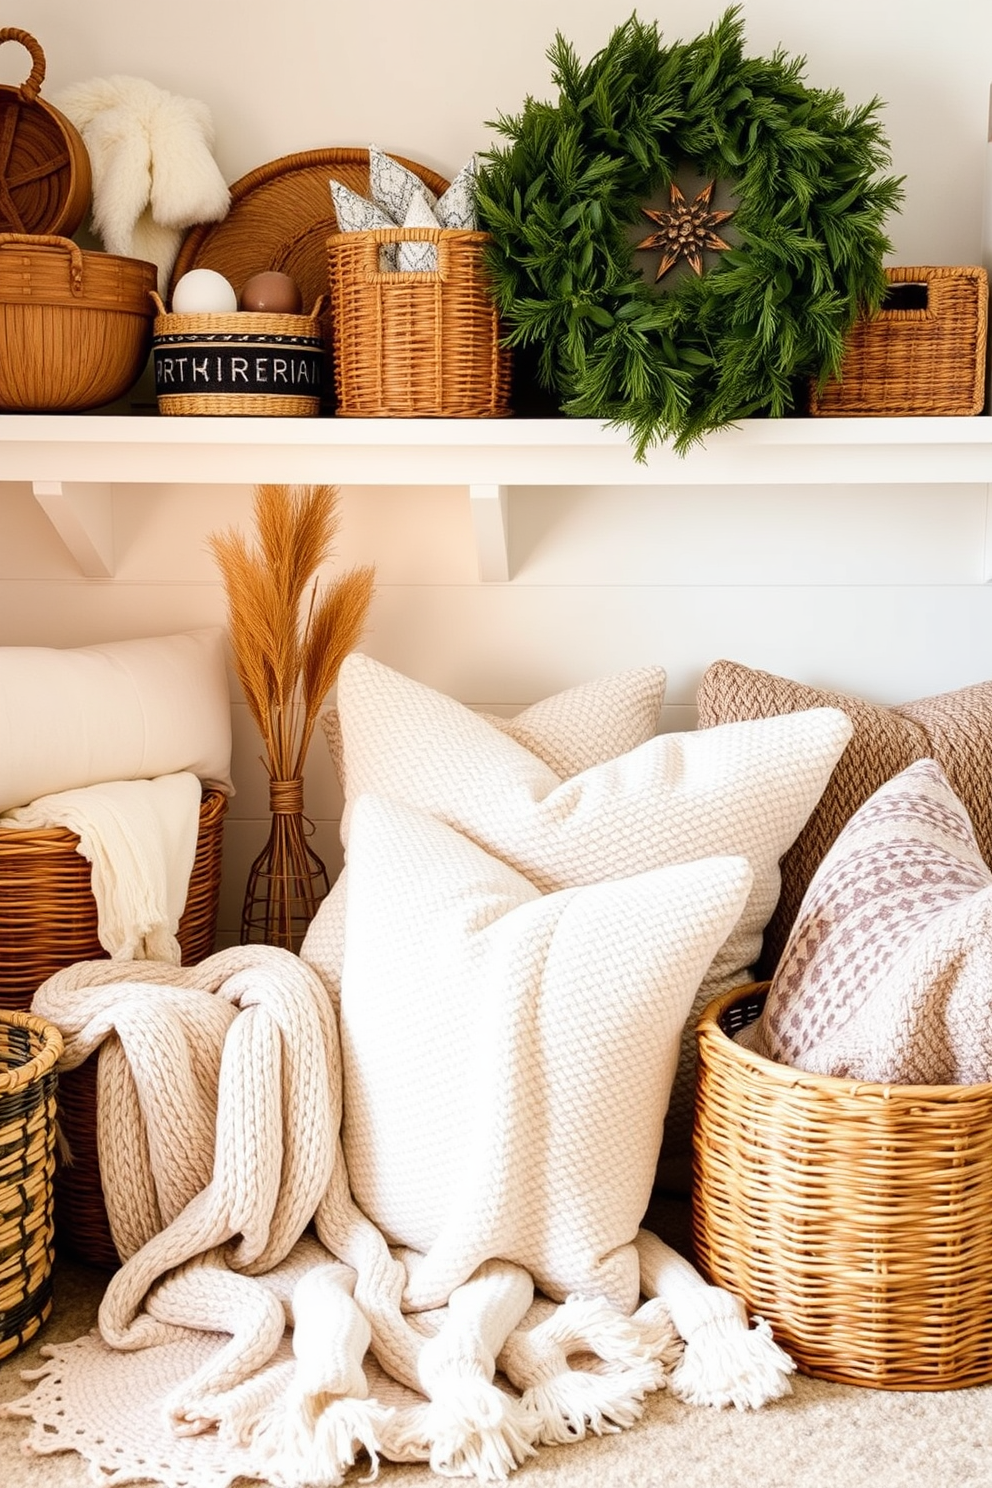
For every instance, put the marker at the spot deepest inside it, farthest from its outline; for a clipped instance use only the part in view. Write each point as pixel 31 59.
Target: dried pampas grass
pixel 289 640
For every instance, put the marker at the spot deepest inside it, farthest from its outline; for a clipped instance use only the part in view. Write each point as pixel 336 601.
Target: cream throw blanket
pixel 140 838
pixel 219 1109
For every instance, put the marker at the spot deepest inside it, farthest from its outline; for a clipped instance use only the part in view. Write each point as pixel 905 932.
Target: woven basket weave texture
pixel 45 174
pixel 29 1051
pixel 75 326
pixel 854 1217
pixel 416 344
pixel 917 361
pixel 48 920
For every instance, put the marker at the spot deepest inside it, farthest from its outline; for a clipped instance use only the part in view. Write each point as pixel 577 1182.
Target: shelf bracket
pixel 82 514
pixel 490 520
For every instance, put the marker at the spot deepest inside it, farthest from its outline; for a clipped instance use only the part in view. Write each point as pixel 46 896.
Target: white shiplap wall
pixel 877 590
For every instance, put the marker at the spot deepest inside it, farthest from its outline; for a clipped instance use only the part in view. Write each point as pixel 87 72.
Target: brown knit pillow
pixel 954 728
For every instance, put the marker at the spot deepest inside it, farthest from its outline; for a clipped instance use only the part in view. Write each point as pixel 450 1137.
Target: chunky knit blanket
pixel 254 1286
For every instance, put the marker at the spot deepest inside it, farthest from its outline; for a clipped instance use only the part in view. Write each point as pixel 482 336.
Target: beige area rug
pixel 822 1436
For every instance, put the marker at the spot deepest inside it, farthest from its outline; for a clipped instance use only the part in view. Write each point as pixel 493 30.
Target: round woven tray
pixel 29 1051
pixel 854 1217
pixel 280 217
pixel 45 176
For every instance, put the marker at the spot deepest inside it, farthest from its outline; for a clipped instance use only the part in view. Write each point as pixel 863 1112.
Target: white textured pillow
pixel 744 788
pixel 126 710
pixel 508 1055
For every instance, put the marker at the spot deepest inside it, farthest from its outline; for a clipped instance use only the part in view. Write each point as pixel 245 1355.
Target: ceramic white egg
pixel 203 292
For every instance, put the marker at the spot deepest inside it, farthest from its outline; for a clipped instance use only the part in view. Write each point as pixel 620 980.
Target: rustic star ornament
pixel 685 229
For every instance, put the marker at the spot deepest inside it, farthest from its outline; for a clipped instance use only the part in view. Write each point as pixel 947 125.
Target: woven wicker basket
pixel 29 1051
pixel 48 921
pixel 418 344
pixel 75 327
pixel 242 362
pixel 922 354
pixel 856 1218
pixel 45 171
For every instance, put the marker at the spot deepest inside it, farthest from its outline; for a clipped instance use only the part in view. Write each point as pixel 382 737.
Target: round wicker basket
pixel 45 172
pixel 49 920
pixel 29 1051
pixel 75 326
pixel 856 1218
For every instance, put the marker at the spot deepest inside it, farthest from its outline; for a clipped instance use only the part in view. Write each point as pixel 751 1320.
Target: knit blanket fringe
pixel 219 1104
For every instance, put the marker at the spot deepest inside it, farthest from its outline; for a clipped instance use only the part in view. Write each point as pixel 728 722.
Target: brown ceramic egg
pixel 272 291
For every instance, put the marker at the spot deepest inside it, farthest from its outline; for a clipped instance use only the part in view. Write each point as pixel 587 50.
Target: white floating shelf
pixel 72 461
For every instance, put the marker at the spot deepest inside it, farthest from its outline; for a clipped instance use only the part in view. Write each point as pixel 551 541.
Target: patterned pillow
pixel 887 971
pixel 742 790
pixel 955 728
pixel 508 1054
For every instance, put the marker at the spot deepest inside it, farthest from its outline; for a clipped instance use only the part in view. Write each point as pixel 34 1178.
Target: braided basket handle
pixel 31 85
pixel 51 240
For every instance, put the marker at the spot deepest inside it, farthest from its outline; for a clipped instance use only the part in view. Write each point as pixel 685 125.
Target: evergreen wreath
pixel 771 311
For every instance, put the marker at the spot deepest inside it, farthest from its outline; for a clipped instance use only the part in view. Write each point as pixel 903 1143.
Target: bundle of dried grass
pixel 289 640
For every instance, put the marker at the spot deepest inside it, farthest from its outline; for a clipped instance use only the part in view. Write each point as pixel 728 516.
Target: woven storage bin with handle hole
pixel 922 354
pixel 856 1218
pixel 29 1051
pixel 417 344
pixel 48 920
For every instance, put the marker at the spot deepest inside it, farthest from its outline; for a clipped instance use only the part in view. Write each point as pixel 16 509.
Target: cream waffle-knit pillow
pixel 508 1054
pixel 745 789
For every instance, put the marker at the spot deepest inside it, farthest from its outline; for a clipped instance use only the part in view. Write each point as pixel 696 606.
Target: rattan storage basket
pixel 415 344
pixel 29 1051
pixel 45 171
pixel 48 921
pixel 856 1218
pixel 75 326
pixel 241 362
pixel 922 354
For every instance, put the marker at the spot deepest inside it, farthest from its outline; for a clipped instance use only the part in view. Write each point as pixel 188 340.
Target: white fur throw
pixel 219 1104
pixel 154 174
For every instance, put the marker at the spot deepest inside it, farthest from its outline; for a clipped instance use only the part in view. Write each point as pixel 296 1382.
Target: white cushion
pixel 126 710
pixel 744 788
pixel 508 1055
pixel 570 731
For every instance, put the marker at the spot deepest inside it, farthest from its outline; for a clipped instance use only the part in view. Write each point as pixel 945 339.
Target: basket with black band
pixel 29 1052
pixel 49 919
pixel 240 362
pixel 854 1217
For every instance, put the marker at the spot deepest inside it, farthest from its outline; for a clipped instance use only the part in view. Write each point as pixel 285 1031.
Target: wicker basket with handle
pixel 45 176
pixel 420 343
pixel 854 1217
pixel 29 1051
pixel 922 354
pixel 238 362
pixel 48 919
pixel 75 326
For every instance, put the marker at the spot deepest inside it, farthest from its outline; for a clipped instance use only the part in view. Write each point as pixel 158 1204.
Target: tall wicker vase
pixel 287 881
